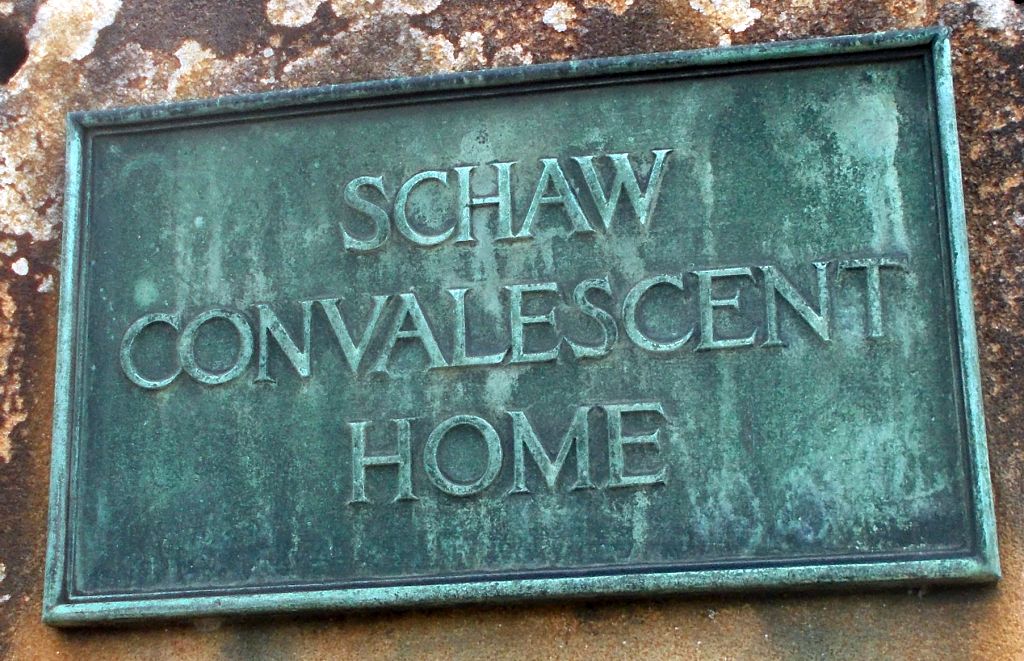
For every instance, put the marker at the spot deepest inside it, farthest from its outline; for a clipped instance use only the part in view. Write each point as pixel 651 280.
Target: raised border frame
pixel 980 565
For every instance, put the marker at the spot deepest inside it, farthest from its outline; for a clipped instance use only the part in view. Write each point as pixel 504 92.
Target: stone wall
pixel 62 55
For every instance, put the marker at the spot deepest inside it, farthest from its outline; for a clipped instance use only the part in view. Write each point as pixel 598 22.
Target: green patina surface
pixel 797 387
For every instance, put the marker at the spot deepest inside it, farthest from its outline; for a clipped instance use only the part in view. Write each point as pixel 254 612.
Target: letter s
pixel 381 219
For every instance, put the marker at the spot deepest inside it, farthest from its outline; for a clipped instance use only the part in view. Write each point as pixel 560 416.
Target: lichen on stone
pixel 559 16
pixel 729 16
pixel 12 404
pixel 292 13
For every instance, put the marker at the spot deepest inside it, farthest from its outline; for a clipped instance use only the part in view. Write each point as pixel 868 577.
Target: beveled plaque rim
pixel 980 563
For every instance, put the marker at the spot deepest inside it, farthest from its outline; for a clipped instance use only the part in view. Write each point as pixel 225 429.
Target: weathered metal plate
pixel 710 330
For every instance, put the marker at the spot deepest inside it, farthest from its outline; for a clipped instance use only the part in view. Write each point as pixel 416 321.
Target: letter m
pixel 523 436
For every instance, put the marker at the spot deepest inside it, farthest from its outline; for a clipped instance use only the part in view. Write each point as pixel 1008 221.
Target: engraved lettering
pixel 402 201
pixel 360 461
pixel 353 352
pixel 459 356
pixel 503 200
pixel 776 283
pixel 617 470
pixel 553 175
pixel 381 221
pixel 491 441
pixel 186 347
pixel 519 321
pixel 411 323
pixel 629 310
pixel 271 326
pixel 411 310
pixel 625 178
pixel 608 326
pixel 523 435
pixel 872 267
pixel 708 303
pixel 130 335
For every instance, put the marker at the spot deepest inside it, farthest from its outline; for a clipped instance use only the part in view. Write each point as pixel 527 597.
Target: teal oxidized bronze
pixel 688 321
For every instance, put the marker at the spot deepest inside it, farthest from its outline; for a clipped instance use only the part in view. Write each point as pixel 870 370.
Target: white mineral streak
pixel 731 15
pixel 436 49
pixel 353 9
pixel 191 55
pixel 136 71
pixel 362 9
pixel 313 56
pixel 508 56
pixel 996 14
pixel 559 15
pixel 442 55
pixel 410 7
pixel 18 217
pixel 292 13
pixel 6 8
pixel 12 404
pixel 64 31
pixel 20 266
pixel 471 51
pixel 866 131
pixel 67 29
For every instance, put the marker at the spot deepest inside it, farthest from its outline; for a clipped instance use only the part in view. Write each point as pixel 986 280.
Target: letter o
pixel 186 347
pixel 490 437
pixel 130 335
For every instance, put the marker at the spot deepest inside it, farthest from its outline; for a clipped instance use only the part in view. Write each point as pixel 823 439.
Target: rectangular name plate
pixel 688 321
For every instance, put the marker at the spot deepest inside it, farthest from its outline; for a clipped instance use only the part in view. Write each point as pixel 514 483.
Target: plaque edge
pixel 980 566
pixel 54 581
pixel 985 536
pixel 964 570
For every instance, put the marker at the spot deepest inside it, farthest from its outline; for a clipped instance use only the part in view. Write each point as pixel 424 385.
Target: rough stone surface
pixel 108 53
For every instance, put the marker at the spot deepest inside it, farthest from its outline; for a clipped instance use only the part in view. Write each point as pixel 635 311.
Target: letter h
pixel 360 462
